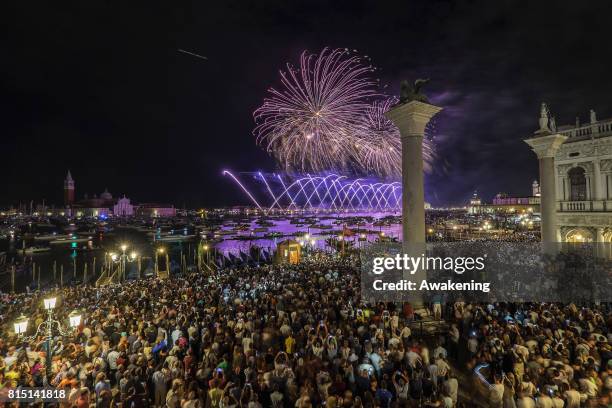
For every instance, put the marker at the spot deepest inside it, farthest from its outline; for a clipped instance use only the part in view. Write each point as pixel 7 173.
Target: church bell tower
pixel 68 189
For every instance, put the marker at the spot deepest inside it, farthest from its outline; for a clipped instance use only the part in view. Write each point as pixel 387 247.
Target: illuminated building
pixel 155 210
pixel 583 167
pixel 123 208
pixel 503 203
pixel 105 205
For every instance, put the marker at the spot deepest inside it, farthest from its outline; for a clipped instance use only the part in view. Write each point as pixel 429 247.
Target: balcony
pixel 585 206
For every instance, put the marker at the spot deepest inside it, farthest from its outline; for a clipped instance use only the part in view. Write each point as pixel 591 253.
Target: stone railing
pixel 588 130
pixel 585 206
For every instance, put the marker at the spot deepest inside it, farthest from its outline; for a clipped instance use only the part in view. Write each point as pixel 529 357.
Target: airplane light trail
pixel 193 54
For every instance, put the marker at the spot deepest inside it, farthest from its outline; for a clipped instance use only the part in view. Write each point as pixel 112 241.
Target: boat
pixel 35 250
pixel 321 226
pixel 245 237
pixel 50 237
pixel 175 238
pixel 275 234
pixel 69 240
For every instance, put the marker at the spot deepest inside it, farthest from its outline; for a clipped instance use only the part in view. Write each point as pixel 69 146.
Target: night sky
pixel 99 88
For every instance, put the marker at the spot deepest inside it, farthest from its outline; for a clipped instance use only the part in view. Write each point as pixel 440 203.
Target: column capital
pixel 411 118
pixel 546 145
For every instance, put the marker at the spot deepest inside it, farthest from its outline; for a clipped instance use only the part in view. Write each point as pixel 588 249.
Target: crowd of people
pixel 298 336
pixel 536 354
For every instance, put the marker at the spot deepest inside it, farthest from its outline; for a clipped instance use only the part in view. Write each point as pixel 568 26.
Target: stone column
pixel 545 145
pixel 411 119
pixel 599 242
pixel 597 188
pixel 560 189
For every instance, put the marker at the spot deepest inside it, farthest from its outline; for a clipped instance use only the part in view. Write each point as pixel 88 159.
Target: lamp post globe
pixel 21 325
pixel 50 303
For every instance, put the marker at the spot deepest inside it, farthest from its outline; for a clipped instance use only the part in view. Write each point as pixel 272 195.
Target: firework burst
pixel 328 115
pixel 379 147
pixel 311 123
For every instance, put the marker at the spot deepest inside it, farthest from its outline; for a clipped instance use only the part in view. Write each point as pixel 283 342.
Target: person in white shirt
pixel 525 401
pixel 425 355
pixel 527 387
pixel 588 387
pixel 443 367
pixel 439 352
pixel 496 394
pixel 176 334
pixel 401 384
pixel 451 387
pixel 557 401
pixel 112 357
pixel 544 401
pixel 412 357
pixel 433 372
pixel 572 397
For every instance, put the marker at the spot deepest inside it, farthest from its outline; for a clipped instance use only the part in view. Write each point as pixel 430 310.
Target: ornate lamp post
pixel 122 260
pixel 161 251
pixel 47 329
pixel 205 248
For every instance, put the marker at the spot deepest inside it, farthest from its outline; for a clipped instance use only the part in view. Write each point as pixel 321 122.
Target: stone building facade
pixel 583 168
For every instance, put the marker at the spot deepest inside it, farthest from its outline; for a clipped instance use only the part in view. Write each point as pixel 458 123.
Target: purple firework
pixel 313 122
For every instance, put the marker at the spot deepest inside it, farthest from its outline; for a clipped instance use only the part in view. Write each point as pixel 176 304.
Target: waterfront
pixel 81 262
pixel 82 247
pixel 84 254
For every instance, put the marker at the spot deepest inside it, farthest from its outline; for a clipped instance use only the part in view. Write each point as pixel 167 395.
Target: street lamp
pixel 123 259
pixel 46 329
pixel 158 252
pixel 205 248
pixel 21 325
pixel 74 319
pixel 50 303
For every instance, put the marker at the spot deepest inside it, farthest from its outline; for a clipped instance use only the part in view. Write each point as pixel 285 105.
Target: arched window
pixel 577 181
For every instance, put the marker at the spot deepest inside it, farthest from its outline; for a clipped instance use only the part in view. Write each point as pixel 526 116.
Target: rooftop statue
pixel 412 92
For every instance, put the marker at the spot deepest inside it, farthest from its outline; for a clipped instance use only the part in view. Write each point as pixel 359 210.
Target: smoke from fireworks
pixel 325 117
